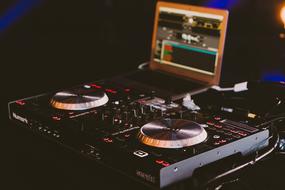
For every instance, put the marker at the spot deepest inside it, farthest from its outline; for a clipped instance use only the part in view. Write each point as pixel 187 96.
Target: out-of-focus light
pixel 274 77
pixel 282 15
pixel 15 12
pixel 222 4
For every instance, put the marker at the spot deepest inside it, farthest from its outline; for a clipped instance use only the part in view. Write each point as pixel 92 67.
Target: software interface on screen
pixel 188 39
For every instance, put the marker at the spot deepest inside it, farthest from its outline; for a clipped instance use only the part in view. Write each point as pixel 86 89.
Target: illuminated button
pixel 242 134
pixel 218 126
pixel 127 90
pixel 96 86
pixel 234 131
pixel 56 118
pixel 127 135
pixel 87 86
pixel 111 91
pixel 217 118
pixel 140 153
pixel 162 162
pixel 107 140
pixel 20 102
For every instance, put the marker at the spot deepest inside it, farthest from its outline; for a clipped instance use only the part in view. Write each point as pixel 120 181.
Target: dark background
pixel 46 45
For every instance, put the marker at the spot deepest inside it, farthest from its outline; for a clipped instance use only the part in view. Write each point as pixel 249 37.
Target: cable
pixel 271 121
pixel 143 65
pixel 252 162
pixel 238 87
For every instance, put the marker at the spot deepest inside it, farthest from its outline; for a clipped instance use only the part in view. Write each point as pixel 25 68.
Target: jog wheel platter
pixel 78 99
pixel 172 133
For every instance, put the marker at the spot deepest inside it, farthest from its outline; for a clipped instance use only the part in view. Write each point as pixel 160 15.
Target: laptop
pixel 187 50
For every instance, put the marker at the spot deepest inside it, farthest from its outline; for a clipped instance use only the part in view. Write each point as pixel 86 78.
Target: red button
pixel 217 118
pixel 111 91
pixel 108 140
pixel 242 134
pixel 162 162
pixel 95 86
pixel 127 90
pixel 56 118
pixel 20 102
pixel 127 135
pixel 234 131
pixel 218 126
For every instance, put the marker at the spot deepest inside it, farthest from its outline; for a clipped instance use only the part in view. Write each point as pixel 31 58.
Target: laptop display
pixel 188 41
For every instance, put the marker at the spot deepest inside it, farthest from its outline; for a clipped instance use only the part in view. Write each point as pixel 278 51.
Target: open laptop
pixel 187 50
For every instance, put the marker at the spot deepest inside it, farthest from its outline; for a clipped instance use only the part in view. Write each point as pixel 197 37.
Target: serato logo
pixel 22 119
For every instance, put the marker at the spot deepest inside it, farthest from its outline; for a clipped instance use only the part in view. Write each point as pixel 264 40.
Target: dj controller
pixel 138 132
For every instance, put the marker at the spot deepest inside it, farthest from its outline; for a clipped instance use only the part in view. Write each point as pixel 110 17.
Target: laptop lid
pixel 188 41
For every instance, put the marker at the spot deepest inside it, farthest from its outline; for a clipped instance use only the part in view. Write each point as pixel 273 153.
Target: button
pixel 20 102
pixel 234 131
pixel 218 126
pixel 217 118
pixel 108 140
pixel 96 86
pixel 217 143
pixel 87 86
pixel 56 118
pixel 140 153
pixel 111 91
pixel 216 136
pixel 242 134
pixel 162 162
pixel 127 90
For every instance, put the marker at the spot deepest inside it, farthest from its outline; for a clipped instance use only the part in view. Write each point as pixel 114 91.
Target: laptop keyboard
pixel 164 81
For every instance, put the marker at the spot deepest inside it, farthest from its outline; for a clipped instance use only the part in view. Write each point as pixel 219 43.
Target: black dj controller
pixel 138 132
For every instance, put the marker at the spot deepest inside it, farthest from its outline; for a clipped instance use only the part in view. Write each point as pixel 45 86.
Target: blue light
pixel 222 4
pixel 274 77
pixel 15 12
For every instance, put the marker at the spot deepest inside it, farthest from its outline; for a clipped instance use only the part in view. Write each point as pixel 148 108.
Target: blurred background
pixel 50 44
pixel 47 44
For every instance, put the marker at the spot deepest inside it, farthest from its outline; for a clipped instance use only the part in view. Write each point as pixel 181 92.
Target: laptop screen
pixel 189 40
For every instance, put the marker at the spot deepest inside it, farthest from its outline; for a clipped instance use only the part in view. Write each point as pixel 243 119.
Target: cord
pixel 143 65
pixel 238 87
pixel 252 162
pixel 271 121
